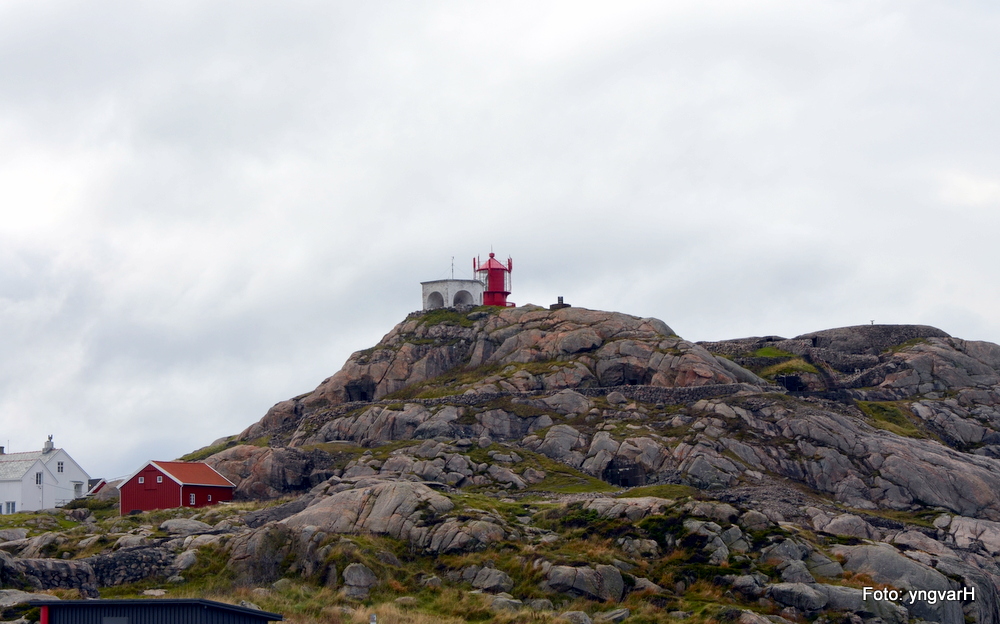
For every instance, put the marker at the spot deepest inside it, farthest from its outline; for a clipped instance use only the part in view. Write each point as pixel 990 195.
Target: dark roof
pixel 154 602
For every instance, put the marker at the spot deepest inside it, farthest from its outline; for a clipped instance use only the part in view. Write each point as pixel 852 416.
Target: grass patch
pixel 342 453
pixel 890 416
pixel 772 352
pixel 905 345
pixel 796 365
pixel 444 316
pixel 519 409
pixel 93 504
pixel 661 491
pixel 924 518
pixel 560 478
pixel 574 522
pixel 470 501
pixel 207 451
pixel 36 523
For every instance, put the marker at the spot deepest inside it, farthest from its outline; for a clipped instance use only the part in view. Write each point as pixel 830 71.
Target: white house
pixel 39 479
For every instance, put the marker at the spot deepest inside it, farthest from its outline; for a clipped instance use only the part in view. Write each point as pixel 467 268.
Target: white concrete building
pixel 39 479
pixel 448 293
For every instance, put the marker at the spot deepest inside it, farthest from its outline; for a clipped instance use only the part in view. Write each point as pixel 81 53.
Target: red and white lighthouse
pixel 496 277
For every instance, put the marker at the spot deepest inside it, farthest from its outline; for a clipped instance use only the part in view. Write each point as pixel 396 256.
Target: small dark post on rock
pixel 559 306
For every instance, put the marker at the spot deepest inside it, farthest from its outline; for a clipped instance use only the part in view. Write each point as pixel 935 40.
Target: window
pixel 142 479
pixel 11 507
pixel 192 498
pixel 77 490
pixel 210 498
pixel 38 478
pixel 59 466
pixel 159 478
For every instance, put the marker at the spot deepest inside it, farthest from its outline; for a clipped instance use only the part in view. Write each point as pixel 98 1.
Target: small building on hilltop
pixel 39 479
pixel 169 484
pixel 491 287
pixel 451 293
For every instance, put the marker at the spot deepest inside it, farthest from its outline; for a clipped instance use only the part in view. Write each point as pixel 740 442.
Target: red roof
pixel 192 473
pixel 492 263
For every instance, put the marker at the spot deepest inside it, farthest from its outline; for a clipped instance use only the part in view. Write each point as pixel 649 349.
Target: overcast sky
pixel 207 206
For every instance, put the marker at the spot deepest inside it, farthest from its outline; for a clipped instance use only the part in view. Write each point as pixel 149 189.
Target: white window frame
pixel 191 498
pixel 159 478
pixel 209 498
pixel 39 478
pixel 59 466
pixel 142 479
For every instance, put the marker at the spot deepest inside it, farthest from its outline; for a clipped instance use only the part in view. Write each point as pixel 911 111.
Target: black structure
pixel 560 305
pixel 154 611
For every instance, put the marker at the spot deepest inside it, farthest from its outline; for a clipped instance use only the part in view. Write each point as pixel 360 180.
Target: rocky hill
pixel 573 465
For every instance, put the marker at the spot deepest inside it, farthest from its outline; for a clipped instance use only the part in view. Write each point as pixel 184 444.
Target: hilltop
pixel 525 464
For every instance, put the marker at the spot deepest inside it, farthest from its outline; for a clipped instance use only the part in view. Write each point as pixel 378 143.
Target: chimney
pixel 48 446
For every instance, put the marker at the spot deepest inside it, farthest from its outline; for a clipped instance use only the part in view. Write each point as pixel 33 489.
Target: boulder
pixel 263 472
pixel 754 521
pixel 493 581
pixel 185 560
pixel 799 595
pixel 643 584
pixel 603 582
pixel 257 555
pixel 505 603
pixel 852 600
pixel 568 402
pixel 358 581
pixel 184 526
pixel 12 597
pixel 885 564
pixel 561 444
pixel 615 615
pixel 846 524
pixel 967 531
pixel 576 617
pixel 400 509
pixel 796 572
pixel 131 541
pixel 9 535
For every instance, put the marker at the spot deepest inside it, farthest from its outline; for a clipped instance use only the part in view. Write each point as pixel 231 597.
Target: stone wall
pixel 129 565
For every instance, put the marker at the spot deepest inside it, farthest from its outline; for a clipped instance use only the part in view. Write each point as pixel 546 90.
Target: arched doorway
pixel 463 297
pixel 435 300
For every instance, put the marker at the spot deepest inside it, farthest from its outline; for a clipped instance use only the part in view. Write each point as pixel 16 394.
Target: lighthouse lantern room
pixel 495 276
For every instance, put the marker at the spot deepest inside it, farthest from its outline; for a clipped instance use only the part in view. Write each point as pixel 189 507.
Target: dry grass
pixel 395 614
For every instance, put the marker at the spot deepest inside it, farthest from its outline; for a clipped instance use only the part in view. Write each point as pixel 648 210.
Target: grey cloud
pixel 216 204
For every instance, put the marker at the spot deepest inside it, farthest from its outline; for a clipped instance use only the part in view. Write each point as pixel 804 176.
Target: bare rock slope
pixel 539 457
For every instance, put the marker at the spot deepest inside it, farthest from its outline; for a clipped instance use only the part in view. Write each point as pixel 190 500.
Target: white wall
pixel 33 496
pixel 10 491
pixel 72 472
pixel 448 289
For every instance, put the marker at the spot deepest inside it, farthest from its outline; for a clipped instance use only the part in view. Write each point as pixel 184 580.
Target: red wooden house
pixel 169 484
